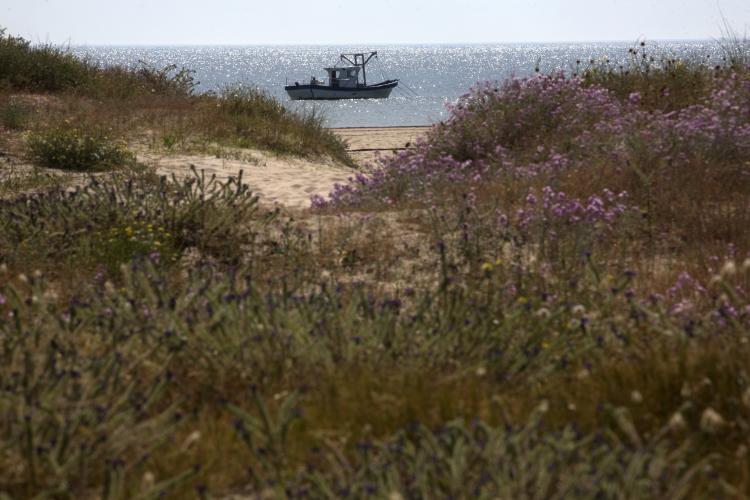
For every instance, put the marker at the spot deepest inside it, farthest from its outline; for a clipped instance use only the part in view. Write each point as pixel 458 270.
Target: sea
pixel 431 76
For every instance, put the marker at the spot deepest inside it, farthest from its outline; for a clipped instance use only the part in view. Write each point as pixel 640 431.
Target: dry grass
pixel 146 105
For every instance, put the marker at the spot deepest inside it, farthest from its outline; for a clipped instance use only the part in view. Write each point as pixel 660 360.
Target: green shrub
pixel 112 220
pixel 43 68
pixel 122 83
pixel 48 68
pixel 247 117
pixel 169 80
pixel 75 149
pixel 14 116
pixel 664 82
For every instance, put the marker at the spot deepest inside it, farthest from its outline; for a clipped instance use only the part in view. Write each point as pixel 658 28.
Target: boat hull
pixel 323 92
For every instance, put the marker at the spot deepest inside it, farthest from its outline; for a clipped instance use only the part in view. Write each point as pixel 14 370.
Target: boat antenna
pixel 356 62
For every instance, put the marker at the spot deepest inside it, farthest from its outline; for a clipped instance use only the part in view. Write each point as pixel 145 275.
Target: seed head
pixel 729 269
pixel 636 397
pixel 578 310
pixel 542 312
pixel 148 480
pixel 711 421
pixel 193 438
pixel 677 423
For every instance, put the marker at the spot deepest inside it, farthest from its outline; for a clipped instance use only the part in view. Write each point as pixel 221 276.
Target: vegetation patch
pixel 111 221
pixel 47 68
pixel 248 117
pixel 120 245
pixel 14 115
pixel 69 148
pixel 147 102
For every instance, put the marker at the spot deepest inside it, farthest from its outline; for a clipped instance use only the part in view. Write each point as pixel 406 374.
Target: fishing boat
pixel 343 82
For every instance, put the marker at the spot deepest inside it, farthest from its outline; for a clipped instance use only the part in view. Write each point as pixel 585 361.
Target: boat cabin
pixel 347 77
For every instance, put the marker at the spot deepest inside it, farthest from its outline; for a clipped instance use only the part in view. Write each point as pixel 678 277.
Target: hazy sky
pixel 366 21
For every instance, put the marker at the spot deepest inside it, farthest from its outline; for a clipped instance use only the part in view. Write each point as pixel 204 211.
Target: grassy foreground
pixel 546 298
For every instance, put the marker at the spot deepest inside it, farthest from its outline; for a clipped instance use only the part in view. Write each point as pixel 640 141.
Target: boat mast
pixel 359 57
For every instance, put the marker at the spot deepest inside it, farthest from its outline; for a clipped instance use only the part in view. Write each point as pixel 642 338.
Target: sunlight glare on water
pixel 437 73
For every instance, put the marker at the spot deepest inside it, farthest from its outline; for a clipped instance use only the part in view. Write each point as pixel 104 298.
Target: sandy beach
pixel 365 142
pixel 291 181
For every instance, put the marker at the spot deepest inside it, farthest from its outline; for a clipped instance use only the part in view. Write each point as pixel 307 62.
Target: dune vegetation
pixel 46 89
pixel 547 297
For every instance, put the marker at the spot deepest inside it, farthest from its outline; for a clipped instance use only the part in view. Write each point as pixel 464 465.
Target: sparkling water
pixel 431 75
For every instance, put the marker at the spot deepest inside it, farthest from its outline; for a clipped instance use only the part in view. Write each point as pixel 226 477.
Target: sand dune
pixel 290 181
pixel 284 180
pixel 287 181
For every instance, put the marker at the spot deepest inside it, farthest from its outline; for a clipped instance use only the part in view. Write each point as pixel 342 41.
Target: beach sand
pixel 364 143
pixel 291 181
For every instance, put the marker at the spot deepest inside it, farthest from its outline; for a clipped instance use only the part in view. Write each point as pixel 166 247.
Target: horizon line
pixel 384 44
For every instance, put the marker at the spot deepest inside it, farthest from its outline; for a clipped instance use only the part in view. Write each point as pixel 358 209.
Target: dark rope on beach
pixel 362 150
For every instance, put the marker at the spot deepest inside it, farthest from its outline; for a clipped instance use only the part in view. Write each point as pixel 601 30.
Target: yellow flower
pixel 545 345
pixel 487 266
